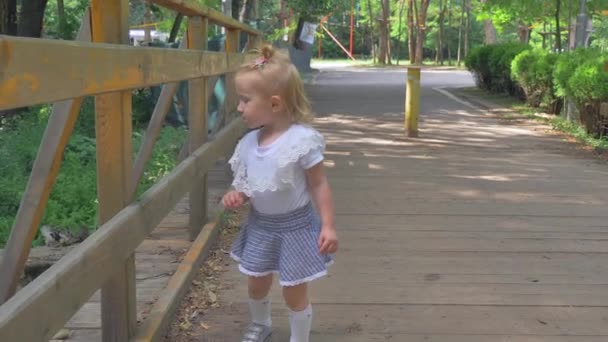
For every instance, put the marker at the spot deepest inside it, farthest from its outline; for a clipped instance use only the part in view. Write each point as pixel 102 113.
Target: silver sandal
pixel 257 333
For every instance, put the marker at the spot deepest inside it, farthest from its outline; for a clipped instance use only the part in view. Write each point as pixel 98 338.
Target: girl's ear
pixel 276 103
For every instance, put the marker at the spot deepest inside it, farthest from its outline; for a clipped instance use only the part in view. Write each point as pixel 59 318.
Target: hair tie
pixel 259 62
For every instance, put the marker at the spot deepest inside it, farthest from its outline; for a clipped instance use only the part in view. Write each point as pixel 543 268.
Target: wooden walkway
pixel 156 260
pixel 481 230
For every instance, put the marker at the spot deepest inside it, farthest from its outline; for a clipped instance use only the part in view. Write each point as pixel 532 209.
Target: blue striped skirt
pixel 286 244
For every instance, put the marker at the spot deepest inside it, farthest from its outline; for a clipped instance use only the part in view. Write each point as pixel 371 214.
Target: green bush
pixel 533 71
pixel 72 203
pixel 522 72
pixel 589 82
pixel 566 65
pixel 478 63
pixel 491 66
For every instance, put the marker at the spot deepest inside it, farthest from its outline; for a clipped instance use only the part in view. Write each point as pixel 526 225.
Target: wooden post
pixel 113 130
pixel 232 46
pixel 197 123
pixel 412 101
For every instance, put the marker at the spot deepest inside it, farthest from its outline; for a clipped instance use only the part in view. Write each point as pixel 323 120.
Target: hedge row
pixel 545 79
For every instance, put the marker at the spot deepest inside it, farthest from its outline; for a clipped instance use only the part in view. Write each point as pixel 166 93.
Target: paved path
pixel 478 231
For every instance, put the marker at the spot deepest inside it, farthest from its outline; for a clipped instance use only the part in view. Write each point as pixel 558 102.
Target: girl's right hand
pixel 233 199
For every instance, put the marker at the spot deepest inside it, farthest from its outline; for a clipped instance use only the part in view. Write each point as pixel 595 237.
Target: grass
pixel 557 122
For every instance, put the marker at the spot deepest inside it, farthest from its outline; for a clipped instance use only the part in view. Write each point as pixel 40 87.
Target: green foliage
pixel 533 70
pixel 478 63
pixel 589 82
pixel 73 200
pixel 316 9
pixel 491 66
pixel 74 10
pixel 565 67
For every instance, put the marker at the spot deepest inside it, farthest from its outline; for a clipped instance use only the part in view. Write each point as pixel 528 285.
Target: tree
pixel 371 30
pixel 385 46
pixel 411 32
pixel 8 17
pixel 440 44
pixel 31 18
pixel 420 14
pixel 400 16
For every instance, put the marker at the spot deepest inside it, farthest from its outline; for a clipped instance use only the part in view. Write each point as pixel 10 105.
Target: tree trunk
pixel 523 31
pixel 62 29
pixel 489 31
pixel 227 7
pixel 30 18
pixel 401 8
pixel 467 29
pixel 371 30
pixel 421 26
pixel 411 35
pixel 448 45
pixel 558 34
pixel 544 34
pixel 460 29
pixel 383 57
pixel 147 21
pixel 8 17
pixel 246 12
pixel 439 58
pixel 175 28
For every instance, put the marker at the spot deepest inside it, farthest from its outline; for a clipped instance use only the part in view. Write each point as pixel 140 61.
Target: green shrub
pixel 566 65
pixel 533 70
pixel 477 62
pixel 72 202
pixel 589 82
pixel 491 67
pixel 522 72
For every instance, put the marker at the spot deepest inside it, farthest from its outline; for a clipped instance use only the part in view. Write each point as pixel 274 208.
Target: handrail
pixel 194 8
pixel 109 71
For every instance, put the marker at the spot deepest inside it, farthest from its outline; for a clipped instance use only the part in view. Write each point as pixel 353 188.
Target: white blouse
pixel 273 176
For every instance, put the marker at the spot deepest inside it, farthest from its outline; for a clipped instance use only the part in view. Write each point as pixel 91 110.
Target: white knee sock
pixel 259 309
pixel 300 322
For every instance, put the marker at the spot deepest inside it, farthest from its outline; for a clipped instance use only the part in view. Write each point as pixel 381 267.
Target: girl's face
pixel 256 108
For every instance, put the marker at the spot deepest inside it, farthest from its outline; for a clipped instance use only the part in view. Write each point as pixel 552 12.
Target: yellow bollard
pixel 412 101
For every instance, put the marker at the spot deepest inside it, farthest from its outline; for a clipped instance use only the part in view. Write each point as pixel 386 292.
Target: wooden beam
pixel 162 313
pixel 52 298
pixel 194 8
pixel 163 104
pixel 113 130
pixel 197 124
pixel 32 78
pixel 43 176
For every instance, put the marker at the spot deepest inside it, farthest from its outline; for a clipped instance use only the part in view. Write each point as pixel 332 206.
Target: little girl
pixel 279 169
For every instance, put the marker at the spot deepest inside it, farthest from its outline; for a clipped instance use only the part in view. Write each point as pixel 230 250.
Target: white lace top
pixel 273 176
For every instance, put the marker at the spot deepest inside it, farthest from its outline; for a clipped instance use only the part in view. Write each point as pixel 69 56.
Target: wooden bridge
pixel 132 274
pixel 483 229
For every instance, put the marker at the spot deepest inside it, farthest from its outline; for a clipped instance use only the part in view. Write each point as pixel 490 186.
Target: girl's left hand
pixel 328 241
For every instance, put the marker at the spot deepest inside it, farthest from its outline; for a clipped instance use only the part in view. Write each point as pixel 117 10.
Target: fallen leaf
pixel 204 326
pixel 185 325
pixel 212 297
pixel 62 334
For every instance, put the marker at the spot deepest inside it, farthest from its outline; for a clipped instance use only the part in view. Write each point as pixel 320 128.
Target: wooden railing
pixel 99 64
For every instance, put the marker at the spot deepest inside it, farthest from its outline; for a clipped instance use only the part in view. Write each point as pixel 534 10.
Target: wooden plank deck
pixel 156 260
pixel 481 230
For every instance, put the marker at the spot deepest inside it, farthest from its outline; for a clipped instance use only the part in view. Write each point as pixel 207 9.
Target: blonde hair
pixel 280 77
